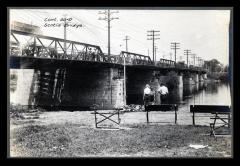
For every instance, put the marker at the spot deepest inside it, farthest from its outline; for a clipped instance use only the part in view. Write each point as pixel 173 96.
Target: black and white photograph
pixel 114 82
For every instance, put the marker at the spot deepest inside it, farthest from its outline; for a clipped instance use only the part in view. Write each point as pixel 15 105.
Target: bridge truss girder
pixel 35 47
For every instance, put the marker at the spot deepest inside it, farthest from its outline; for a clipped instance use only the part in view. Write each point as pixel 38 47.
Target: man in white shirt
pixel 147 90
pixel 147 95
pixel 163 90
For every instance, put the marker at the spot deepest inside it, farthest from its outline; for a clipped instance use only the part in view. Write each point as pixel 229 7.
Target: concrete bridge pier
pixel 68 88
pixel 165 79
pixel 201 78
pixel 188 81
pixel 195 78
pixel 180 81
pixel 93 86
pixel 20 86
pixel 190 78
pixel 205 76
pixel 172 78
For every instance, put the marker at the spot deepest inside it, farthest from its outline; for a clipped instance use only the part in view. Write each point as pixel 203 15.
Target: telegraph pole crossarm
pixel 153 35
pixel 126 39
pixel 175 46
pixel 187 53
pixel 194 57
pixel 108 18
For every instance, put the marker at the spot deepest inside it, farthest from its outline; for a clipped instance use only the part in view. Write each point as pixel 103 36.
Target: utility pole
pixel 155 52
pixel 108 18
pixel 187 52
pixel 65 35
pixel 175 46
pixel 198 60
pixel 194 57
pixel 125 81
pixel 202 64
pixel 126 38
pixel 153 35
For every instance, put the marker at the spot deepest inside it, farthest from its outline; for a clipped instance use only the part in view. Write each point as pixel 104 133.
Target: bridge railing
pixel 165 63
pixel 33 45
pixel 134 59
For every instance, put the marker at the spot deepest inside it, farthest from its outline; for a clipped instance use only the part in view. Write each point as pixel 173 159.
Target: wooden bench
pixel 162 108
pixel 107 114
pixel 220 112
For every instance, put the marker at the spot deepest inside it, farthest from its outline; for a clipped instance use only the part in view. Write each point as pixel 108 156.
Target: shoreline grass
pixel 72 140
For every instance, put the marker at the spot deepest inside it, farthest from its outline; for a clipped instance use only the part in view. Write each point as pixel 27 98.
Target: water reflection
pixel 212 88
pixel 201 93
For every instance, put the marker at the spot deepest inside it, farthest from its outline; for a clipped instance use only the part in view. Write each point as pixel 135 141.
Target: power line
pixel 36 14
pixel 175 46
pixel 139 42
pixel 80 20
pixel 153 38
pixel 131 26
pixel 108 18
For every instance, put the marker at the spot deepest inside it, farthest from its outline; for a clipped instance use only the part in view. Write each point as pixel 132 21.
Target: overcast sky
pixel 204 32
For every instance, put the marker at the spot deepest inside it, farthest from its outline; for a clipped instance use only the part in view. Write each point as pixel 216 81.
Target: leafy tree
pixel 214 65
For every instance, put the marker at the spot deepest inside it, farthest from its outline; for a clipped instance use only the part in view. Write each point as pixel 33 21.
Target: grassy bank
pixel 72 140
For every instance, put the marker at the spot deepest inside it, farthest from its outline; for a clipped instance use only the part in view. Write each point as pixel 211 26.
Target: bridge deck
pixel 26 62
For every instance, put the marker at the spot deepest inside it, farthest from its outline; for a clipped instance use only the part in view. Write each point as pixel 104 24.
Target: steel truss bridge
pixel 35 46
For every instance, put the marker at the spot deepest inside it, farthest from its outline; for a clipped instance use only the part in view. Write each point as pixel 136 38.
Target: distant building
pixel 19 26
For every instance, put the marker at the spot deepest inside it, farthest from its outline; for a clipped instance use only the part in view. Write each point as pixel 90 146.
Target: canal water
pixel 211 93
pixel 200 94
